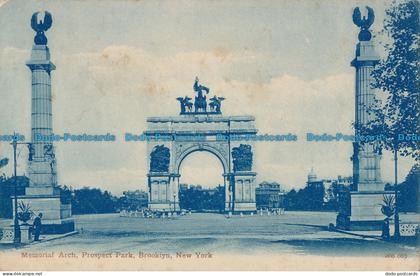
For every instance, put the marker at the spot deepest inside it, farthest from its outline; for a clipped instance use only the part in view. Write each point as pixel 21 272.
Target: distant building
pixel 312 176
pixel 209 192
pixel 183 187
pixel 327 184
pixel 337 185
pixel 135 200
pixel 345 181
pixel 313 182
pixel 269 196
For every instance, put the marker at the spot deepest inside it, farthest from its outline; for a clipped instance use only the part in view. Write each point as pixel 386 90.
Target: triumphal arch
pixel 200 126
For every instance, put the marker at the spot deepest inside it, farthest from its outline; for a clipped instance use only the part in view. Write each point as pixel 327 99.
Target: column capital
pixel 360 63
pixel 48 66
pixel 365 54
pixel 40 59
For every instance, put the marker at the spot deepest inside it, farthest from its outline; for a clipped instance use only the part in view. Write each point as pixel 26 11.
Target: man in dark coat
pixel 37 226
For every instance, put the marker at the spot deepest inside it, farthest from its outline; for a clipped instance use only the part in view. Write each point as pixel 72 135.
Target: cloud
pixel 115 89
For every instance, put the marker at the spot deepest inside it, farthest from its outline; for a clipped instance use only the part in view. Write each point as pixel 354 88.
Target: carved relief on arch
pixel 242 158
pixel 160 159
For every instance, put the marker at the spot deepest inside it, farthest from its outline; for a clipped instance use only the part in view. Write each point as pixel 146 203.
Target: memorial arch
pixel 171 139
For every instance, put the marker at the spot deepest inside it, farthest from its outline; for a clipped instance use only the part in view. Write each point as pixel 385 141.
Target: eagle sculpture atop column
pixel 364 23
pixel 40 27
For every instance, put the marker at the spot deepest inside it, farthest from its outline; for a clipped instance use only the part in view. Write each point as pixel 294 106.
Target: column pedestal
pixel 366 212
pixel 56 216
pixel 244 192
pixel 162 187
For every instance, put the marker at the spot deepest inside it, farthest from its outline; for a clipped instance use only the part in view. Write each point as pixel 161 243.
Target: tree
pixel 397 76
pixel 93 201
pixel 291 200
pixel 195 198
pixel 7 191
pixel 332 196
pixel 409 191
pixel 65 194
pixel 313 197
pixel 310 198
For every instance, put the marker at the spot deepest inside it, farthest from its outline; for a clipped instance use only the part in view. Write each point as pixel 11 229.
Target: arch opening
pixel 201 183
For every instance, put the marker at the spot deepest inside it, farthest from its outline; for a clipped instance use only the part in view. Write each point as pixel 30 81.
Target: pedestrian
pixel 37 226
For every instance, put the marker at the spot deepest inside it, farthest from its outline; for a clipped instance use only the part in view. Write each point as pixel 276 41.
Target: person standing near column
pixel 37 226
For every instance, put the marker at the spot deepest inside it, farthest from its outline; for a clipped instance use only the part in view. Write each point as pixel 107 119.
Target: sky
pixel 118 62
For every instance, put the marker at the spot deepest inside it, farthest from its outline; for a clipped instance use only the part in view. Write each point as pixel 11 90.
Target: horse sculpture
pixel 186 105
pixel 216 103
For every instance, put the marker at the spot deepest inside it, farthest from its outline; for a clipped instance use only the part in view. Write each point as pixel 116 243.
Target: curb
pixel 51 238
pixel 23 245
pixel 358 235
pixel 59 237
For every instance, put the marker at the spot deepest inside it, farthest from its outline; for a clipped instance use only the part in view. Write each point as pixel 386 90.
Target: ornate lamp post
pixel 397 234
pixel 230 201
pixel 17 234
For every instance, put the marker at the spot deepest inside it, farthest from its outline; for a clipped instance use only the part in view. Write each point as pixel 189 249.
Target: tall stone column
pixel 41 165
pixel 43 195
pixel 366 161
pixel 364 212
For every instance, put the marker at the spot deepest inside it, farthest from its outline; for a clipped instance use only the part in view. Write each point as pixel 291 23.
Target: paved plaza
pixel 302 233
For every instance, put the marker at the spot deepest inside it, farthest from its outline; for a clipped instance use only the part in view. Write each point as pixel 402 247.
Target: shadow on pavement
pixel 347 247
pixel 5 246
pixel 321 227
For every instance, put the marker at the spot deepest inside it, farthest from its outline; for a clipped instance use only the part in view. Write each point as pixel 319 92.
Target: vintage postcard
pixel 209 135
